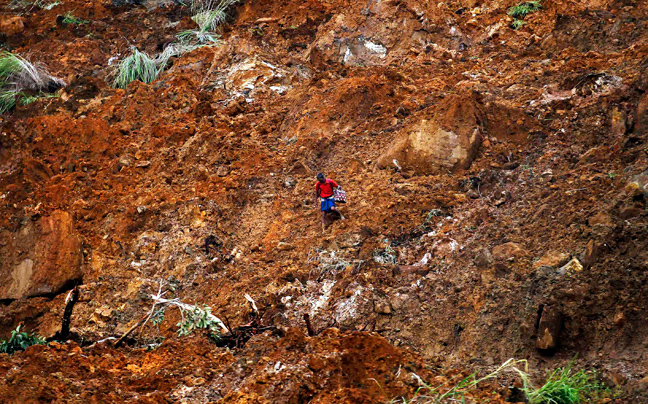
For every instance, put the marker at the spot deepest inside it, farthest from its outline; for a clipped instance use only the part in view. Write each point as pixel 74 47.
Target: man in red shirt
pixel 324 190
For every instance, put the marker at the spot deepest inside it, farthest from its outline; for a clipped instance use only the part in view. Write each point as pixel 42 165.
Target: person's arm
pixel 334 184
pixel 317 192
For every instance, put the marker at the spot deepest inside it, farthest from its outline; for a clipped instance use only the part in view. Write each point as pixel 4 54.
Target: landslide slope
pixel 496 181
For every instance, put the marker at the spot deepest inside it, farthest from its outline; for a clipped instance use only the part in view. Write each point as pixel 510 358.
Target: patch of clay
pixel 20 278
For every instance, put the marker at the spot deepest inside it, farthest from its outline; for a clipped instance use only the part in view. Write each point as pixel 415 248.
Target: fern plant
pixel 19 341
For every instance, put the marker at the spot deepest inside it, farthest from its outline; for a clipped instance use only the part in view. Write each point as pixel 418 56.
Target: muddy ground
pixel 532 236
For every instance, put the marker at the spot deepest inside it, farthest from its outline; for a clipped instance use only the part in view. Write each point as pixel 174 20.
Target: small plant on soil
pixel 562 387
pixel 18 74
pixel 445 393
pixel 386 256
pixel 29 99
pixel 69 18
pixel 19 341
pixel 137 66
pixel 520 11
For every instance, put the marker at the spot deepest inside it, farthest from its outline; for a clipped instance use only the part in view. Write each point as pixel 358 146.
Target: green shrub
pixel 19 341
pixel 198 318
pixel 521 10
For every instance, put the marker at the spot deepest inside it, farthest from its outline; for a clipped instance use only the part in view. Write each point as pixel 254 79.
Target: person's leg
pixel 339 213
pixel 323 220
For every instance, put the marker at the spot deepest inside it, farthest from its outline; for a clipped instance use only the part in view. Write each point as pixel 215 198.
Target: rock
pixel 618 123
pixel 483 258
pixel 619 319
pixel 637 188
pixel 641 124
pixel 642 385
pixel 11 24
pixel 630 212
pixel 551 259
pixel 382 307
pixel 222 171
pixel 602 219
pixel 449 139
pixel 572 266
pixel 285 246
pixel 507 251
pixel 549 328
pixel 590 254
pixel 42 258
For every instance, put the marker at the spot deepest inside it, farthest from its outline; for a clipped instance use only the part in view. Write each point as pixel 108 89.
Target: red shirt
pixel 325 190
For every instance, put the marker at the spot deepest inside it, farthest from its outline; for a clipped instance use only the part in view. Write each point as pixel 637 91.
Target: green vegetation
pixel 517 24
pixel 562 387
pixel 14 4
pixel 520 11
pixel 18 74
pixel 427 394
pixel 69 18
pixel 7 100
pixel 198 318
pixel 136 66
pixel 19 341
pixel 28 99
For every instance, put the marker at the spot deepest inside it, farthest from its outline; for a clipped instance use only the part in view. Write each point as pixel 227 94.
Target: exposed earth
pixel 497 183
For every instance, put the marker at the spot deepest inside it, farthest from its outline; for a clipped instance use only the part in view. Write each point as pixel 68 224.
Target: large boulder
pixel 449 138
pixel 42 258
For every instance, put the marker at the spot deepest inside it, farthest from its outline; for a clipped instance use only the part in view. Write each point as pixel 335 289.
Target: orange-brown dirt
pixel 540 242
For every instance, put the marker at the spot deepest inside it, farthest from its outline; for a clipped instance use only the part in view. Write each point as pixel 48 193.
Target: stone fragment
pixel 641 124
pixel 551 259
pixel 507 251
pixel 572 266
pixel 549 328
pixel 449 139
pixel 602 219
pixel 42 258
pixel 589 256
pixel 222 171
pixel 619 319
pixel 382 307
pixel 11 24
pixel 282 246
pixel 483 258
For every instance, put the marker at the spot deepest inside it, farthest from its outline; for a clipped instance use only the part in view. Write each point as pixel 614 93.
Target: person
pixel 324 190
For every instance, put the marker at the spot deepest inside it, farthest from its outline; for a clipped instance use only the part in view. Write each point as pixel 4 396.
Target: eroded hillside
pixel 497 199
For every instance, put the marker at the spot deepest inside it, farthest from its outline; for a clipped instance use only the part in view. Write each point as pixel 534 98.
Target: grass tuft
pixel 137 66
pixel 18 74
pixel 562 387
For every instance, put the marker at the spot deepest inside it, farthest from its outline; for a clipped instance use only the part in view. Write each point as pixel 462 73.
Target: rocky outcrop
pixel 448 139
pixel 41 258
